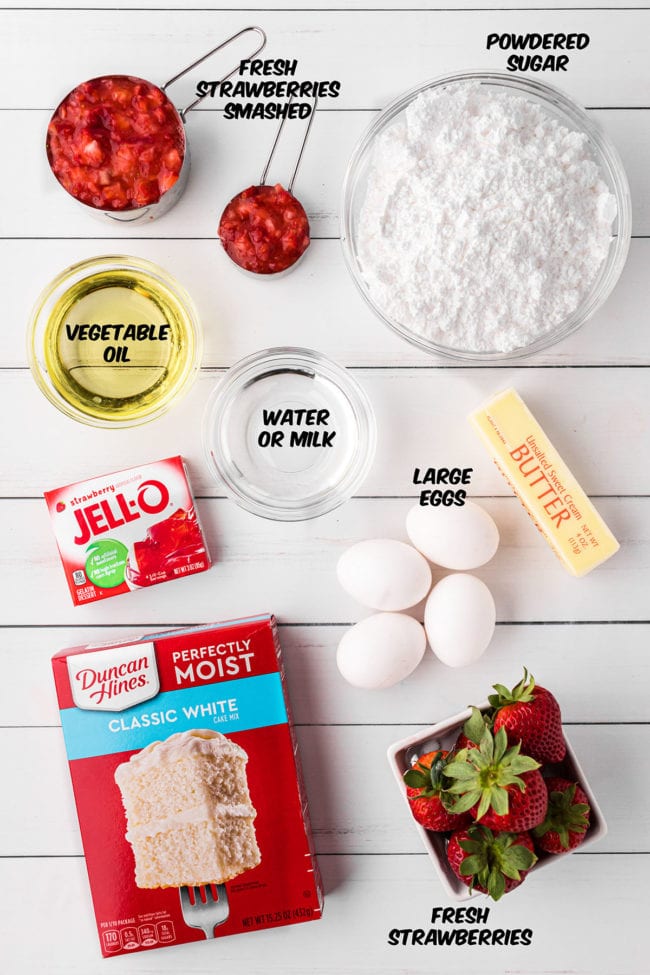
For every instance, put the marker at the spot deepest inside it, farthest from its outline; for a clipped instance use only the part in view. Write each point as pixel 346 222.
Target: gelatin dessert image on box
pixel 189 812
pixel 187 781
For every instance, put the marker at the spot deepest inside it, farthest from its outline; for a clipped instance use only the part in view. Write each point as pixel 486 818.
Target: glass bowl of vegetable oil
pixel 114 341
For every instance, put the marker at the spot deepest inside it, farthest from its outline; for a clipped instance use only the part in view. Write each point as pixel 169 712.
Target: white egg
pixel 459 618
pixel 381 650
pixel 460 537
pixel 384 574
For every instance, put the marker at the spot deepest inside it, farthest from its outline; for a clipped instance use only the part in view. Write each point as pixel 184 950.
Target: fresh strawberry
pixel 500 787
pixel 470 736
pixel 494 863
pixel 530 714
pixel 424 784
pixel 567 819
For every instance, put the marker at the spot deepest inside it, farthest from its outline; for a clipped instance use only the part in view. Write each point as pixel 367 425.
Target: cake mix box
pixel 125 530
pixel 189 794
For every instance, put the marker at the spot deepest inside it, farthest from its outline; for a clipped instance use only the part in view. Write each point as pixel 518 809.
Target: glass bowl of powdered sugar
pixel 485 216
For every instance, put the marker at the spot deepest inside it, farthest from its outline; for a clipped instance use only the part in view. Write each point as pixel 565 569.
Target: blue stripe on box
pixel 236 705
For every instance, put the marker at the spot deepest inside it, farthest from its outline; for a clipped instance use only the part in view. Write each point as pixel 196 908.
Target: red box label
pixel 127 530
pixel 187 784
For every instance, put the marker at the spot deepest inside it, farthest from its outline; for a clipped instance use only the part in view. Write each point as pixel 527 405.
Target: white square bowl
pixel 443 735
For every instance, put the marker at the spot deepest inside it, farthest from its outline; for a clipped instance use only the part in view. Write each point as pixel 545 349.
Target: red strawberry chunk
pixel 109 133
pixel 264 229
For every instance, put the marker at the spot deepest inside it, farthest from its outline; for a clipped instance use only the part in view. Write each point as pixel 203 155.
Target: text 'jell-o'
pixel 127 530
pixel 117 143
pixel 264 229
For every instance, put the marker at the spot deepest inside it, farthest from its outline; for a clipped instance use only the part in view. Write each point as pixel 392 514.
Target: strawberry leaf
pixel 415 779
pixel 484 804
pixel 510 871
pixel 521 857
pixel 500 747
pixel 457 789
pixel 496 885
pixel 521 692
pixel 499 801
pixel 465 803
pixel 486 748
pixel 474 726
pixel 460 770
pixel 522 763
pixel 470 846
pixel 472 864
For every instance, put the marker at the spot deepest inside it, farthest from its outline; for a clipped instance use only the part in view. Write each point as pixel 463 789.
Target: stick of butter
pixel 543 483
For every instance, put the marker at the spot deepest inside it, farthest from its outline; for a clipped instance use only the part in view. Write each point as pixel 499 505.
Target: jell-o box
pixel 127 530
pixel 543 483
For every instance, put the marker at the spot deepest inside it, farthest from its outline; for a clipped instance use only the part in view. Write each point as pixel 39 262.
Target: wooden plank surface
pixel 356 807
pixel 379 53
pixel 238 322
pixel 229 155
pixel 289 569
pixel 586 639
pixel 320 697
pixel 368 896
pixel 431 405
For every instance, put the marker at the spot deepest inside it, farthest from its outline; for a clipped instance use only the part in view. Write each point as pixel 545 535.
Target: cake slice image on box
pixel 188 810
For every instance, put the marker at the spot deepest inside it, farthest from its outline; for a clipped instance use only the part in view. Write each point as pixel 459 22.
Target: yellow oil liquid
pixel 118 345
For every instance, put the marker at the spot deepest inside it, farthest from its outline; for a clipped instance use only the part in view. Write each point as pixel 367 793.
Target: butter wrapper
pixel 540 478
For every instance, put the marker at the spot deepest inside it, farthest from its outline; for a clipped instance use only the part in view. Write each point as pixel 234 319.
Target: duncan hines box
pixel 188 789
pixel 127 529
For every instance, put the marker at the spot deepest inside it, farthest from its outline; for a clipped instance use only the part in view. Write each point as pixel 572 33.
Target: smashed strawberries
pixel 264 229
pixel 116 143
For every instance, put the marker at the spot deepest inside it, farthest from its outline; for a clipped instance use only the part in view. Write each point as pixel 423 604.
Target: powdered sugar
pixel 486 221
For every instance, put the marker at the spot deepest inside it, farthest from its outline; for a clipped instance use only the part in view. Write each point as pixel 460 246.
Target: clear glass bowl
pixel 566 111
pixel 289 433
pixel 114 341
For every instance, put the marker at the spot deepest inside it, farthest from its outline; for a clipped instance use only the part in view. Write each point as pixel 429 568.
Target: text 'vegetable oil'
pixel 118 345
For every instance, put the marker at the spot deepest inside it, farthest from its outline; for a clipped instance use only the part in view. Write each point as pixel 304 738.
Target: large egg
pixel 459 618
pixel 460 537
pixel 381 650
pixel 384 574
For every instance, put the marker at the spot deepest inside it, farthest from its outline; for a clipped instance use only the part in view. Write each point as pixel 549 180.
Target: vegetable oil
pixel 115 342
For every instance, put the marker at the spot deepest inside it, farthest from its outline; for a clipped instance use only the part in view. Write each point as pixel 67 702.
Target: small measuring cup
pixel 264 230
pixel 157 106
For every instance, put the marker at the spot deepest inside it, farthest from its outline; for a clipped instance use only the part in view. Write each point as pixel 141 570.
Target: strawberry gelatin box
pixel 125 530
pixel 189 793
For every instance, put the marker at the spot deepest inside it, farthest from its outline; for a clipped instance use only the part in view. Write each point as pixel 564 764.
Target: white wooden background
pixel 586 639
